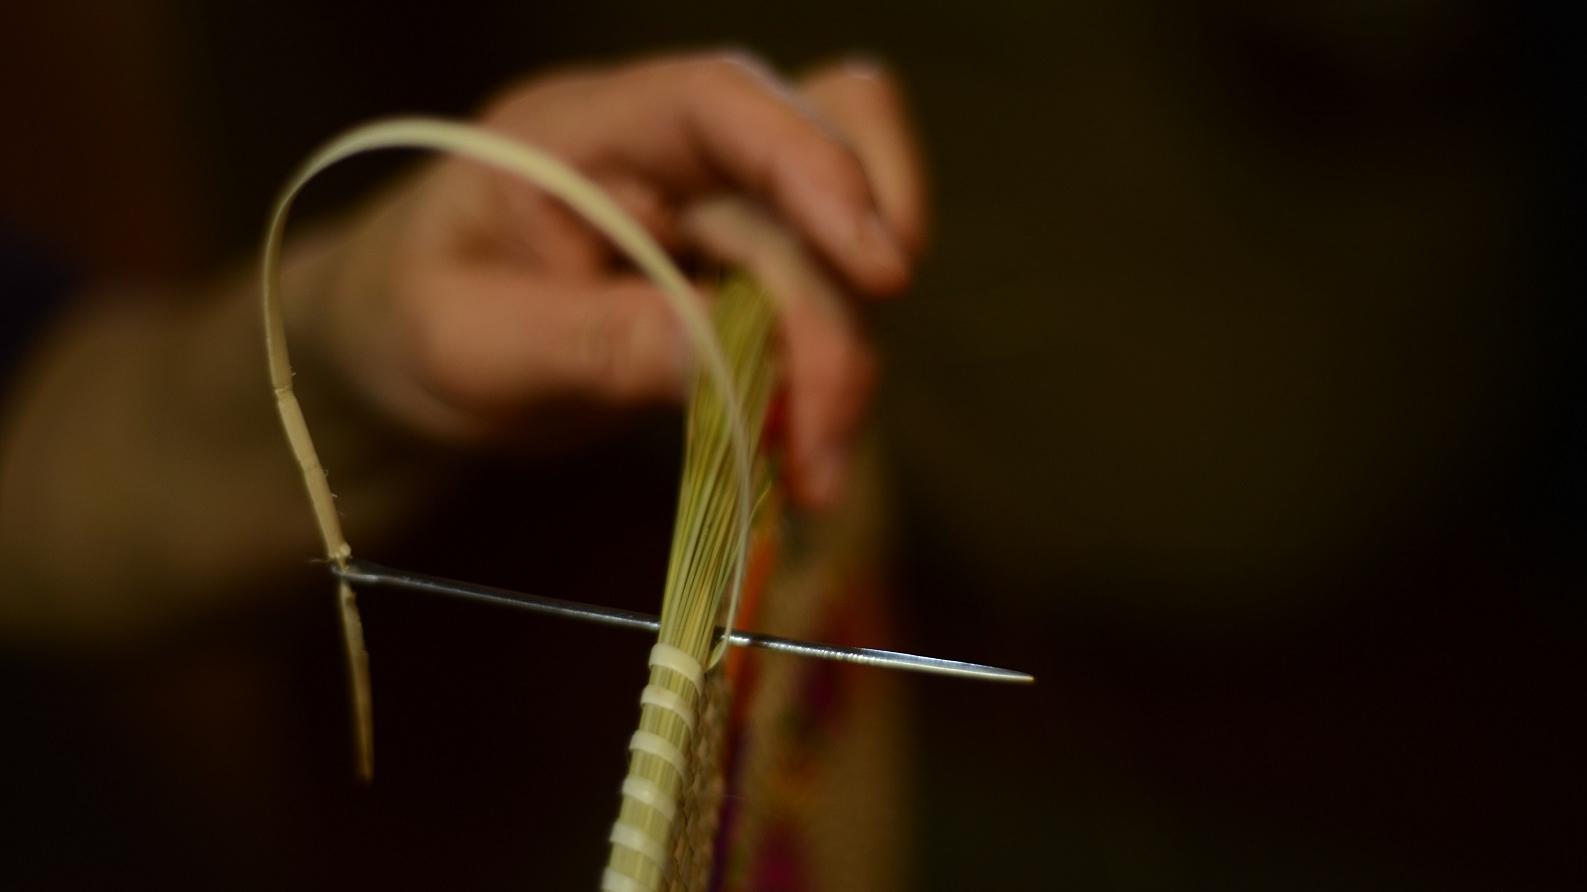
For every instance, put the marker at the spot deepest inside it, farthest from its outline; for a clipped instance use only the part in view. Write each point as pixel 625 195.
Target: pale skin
pixel 142 470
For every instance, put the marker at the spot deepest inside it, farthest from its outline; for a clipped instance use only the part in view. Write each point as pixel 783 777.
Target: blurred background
pixel 1240 399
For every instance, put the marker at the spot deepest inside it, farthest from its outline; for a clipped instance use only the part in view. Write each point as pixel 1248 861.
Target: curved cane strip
pixel 718 553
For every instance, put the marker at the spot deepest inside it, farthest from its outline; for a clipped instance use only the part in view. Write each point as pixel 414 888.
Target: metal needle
pixel 367 573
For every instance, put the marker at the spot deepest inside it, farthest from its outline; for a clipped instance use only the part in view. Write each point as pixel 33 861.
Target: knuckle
pixel 511 112
pixel 502 109
pixel 712 74
pixel 732 65
pixel 522 102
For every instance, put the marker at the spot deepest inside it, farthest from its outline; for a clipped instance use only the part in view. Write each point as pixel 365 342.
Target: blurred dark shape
pixel 1241 400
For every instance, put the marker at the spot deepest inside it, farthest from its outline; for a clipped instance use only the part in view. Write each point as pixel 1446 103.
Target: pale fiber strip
pixel 612 881
pixel 639 841
pixel 650 795
pixel 661 748
pixel 548 173
pixel 665 699
pixel 668 657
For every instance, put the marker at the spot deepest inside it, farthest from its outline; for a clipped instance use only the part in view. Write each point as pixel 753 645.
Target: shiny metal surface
pixel 365 573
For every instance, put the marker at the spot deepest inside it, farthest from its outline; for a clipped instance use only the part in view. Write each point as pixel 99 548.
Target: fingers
pixel 745 122
pixel 827 368
pixel 863 103
pixel 693 125
pixel 491 215
pixel 820 195
pixel 487 343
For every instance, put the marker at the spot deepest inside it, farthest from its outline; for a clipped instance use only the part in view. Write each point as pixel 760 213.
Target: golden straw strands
pixel 699 574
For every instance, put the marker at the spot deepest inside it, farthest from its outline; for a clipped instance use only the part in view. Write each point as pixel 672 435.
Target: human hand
pixel 469 305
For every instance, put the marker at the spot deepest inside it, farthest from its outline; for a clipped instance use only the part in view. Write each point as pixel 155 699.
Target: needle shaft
pixel 365 573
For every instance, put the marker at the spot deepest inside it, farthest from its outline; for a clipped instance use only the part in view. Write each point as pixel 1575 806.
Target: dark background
pixel 1240 399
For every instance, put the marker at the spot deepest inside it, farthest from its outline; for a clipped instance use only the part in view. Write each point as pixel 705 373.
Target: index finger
pixel 693 125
